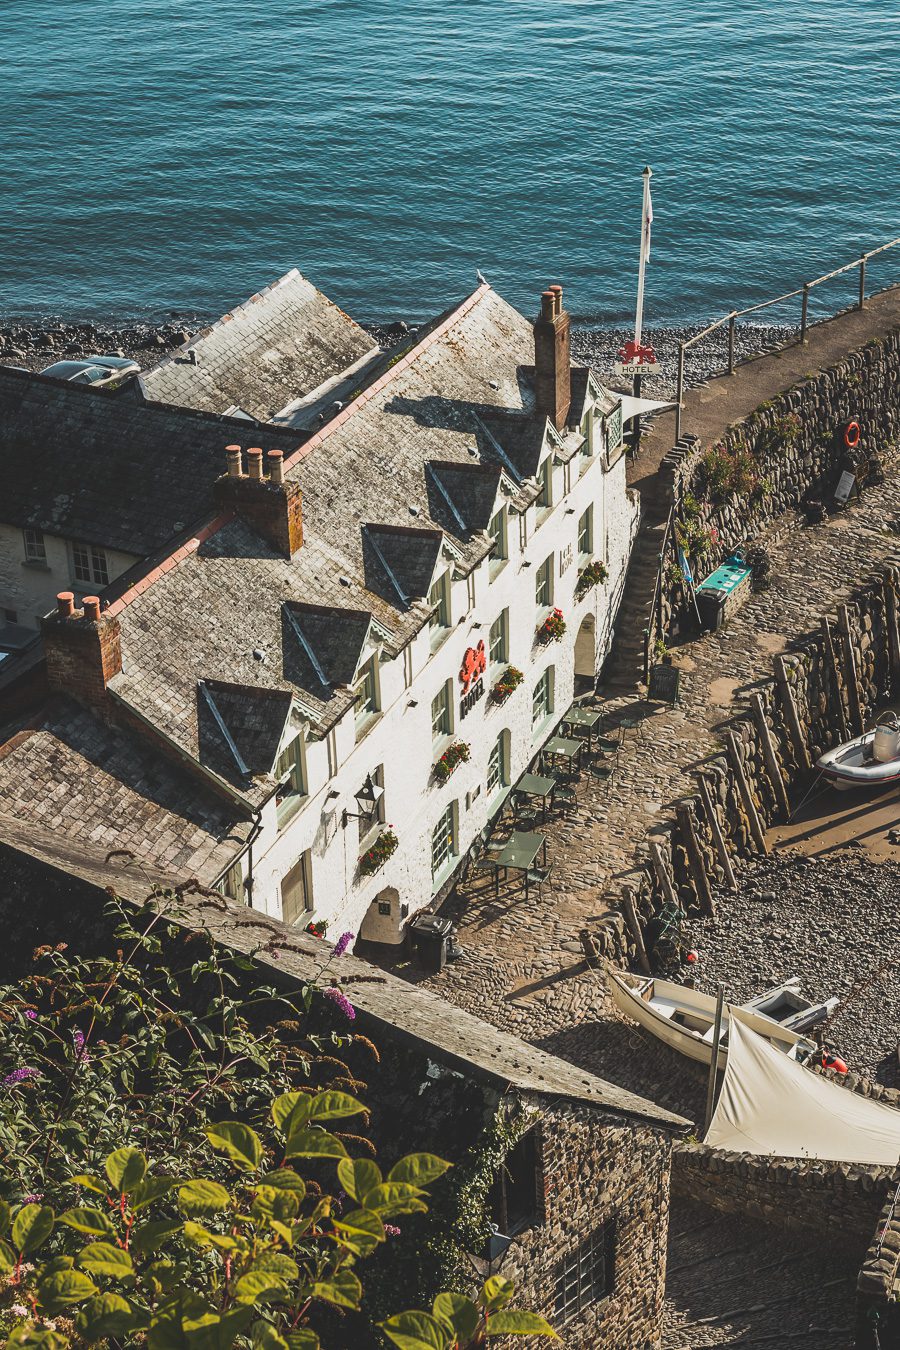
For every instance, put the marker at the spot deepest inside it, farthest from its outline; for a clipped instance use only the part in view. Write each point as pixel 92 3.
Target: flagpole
pixel 639 310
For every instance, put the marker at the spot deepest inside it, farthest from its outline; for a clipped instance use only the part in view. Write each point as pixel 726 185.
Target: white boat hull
pixel 854 765
pixel 684 1018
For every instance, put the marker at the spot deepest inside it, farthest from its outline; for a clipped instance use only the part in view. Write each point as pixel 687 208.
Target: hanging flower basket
pixel 457 753
pixel 375 857
pixel 553 627
pixel 507 684
pixel 318 928
pixel 593 575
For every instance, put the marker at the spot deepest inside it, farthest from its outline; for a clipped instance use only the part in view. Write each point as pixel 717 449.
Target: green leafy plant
pixel 457 753
pixel 384 847
pixel 594 574
pixel 553 627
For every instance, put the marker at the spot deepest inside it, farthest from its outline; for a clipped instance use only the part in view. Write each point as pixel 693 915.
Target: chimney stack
pixel 272 506
pixel 83 649
pixel 552 363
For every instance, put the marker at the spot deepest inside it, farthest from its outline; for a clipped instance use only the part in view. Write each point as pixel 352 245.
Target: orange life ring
pixel 851 435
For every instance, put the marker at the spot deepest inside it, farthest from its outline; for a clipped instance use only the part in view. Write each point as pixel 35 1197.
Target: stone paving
pixel 522 965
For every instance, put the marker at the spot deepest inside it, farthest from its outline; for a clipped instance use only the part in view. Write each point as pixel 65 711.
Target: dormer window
pixel 439 598
pixel 545 478
pixel 289 770
pixel 365 691
pixel 497 531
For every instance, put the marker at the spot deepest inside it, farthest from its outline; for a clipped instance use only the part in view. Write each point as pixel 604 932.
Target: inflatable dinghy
pixel 870 760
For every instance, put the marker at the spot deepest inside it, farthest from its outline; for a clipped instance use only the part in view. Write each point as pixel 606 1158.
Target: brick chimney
pixel 270 505
pixel 82 648
pixel 552 365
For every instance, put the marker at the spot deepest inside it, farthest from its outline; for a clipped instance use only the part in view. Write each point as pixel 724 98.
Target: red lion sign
pixel 474 664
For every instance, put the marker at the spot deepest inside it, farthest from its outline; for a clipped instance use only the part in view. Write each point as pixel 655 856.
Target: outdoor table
pixel 565 748
pixel 589 718
pixel 519 853
pixel 533 785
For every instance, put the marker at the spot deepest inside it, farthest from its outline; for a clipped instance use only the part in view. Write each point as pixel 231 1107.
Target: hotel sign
pixel 474 664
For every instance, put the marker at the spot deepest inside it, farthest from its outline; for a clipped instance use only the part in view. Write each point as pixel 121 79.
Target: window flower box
pixel 455 754
pixel 377 855
pixel 553 627
pixel 318 928
pixel 593 575
pixel 507 684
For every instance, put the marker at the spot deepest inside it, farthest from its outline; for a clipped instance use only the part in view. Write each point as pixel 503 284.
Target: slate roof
pixel 106 468
pixel 93 785
pixel 239 724
pixel 280 345
pixel 365 477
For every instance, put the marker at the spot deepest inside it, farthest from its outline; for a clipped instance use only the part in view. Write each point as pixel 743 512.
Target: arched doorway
pixel 382 921
pixel 585 656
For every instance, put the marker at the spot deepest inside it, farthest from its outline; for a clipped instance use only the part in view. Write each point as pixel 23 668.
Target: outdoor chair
pixel 539 876
pixel 565 798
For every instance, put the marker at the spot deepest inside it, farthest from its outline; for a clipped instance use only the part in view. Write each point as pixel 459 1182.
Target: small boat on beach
pixel 870 760
pixel 685 1018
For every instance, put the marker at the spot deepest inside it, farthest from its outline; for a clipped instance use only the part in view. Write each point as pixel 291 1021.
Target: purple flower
pixel 79 1040
pixel 81 1053
pixel 19 1075
pixel 342 944
pixel 31 1014
pixel 341 1001
pixel 391 1230
pixel 33 1199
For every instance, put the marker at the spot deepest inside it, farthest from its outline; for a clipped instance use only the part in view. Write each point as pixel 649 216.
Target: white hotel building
pixel 325 631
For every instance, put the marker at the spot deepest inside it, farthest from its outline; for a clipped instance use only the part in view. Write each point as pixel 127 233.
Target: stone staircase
pixel 624 668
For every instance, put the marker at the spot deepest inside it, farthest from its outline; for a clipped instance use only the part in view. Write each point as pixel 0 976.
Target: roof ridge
pixel 171 560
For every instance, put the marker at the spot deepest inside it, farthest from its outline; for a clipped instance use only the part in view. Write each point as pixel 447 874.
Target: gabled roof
pixel 463 495
pixel 400 561
pixel 280 345
pixel 96 785
pixel 240 727
pixel 323 645
pixel 104 467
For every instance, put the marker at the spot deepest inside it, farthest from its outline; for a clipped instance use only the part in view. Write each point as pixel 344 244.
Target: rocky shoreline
pixel 33 345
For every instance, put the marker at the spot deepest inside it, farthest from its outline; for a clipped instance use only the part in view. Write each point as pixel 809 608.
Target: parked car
pixel 93 369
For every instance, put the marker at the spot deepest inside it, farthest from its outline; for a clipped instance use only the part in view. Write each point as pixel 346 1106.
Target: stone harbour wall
pixel 840 1200
pixel 787 451
pixel 878 1285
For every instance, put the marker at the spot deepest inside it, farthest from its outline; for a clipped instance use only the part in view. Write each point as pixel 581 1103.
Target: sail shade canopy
pixel 634 407
pixel 773 1106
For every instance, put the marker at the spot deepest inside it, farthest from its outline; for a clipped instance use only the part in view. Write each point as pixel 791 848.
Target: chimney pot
pixel 233 456
pixel 276 466
pixel 557 301
pixel 548 305
pixel 254 463
pixel 92 608
pixel 65 604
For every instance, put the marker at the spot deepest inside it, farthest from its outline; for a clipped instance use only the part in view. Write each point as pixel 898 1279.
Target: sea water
pixel 183 153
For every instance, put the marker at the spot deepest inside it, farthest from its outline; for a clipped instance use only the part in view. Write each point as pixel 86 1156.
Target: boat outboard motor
pixel 886 741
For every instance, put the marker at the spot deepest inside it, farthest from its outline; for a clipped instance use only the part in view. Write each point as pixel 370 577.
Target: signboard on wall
pixel 565 558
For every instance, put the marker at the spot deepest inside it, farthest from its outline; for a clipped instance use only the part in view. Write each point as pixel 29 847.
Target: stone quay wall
pixel 785 452
pixel 840 1200
pixel 878 1285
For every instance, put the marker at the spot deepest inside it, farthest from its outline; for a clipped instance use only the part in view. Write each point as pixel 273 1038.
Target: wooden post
pixel 831 660
pixel 686 825
pixel 732 321
pixel 679 393
pixel 890 615
pixel 718 837
pixel 804 311
pixel 790 713
pixel 714 1059
pixel 662 876
pixel 850 670
pixel 773 768
pixel 862 281
pixel 756 828
pixel 631 918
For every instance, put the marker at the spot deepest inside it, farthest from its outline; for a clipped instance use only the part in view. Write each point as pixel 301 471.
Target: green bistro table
pixel 588 718
pixel 533 785
pixel 518 854
pixel 562 747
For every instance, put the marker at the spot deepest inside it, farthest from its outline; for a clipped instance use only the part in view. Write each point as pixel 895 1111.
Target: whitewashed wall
pixel 30 588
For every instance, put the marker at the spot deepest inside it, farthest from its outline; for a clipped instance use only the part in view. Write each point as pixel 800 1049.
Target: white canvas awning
pixel 631 407
pixel 772 1105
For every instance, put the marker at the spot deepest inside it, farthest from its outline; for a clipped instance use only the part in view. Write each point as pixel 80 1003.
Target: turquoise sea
pixel 180 154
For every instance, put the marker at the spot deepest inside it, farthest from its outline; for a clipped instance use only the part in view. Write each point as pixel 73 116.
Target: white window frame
pixel 442 707
pixel 290 771
pixel 542 698
pixel 544 500
pixel 586 525
pixel 497 778
pixel 498 529
pixel 92 562
pixel 543 583
pixel 499 637
pixel 444 841
pixel 365 693
pixel 35 547
pixel 303 866
pixel 439 596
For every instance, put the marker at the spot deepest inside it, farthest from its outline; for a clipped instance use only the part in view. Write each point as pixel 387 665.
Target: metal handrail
pixel 655 623
pixel 735 314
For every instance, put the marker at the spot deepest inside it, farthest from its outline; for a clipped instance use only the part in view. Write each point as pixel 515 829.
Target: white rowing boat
pixel 870 760
pixel 685 1018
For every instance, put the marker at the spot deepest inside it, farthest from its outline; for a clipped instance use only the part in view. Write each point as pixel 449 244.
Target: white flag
pixel 648 221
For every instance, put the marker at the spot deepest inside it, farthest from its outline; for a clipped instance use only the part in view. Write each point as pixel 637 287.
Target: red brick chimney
pixel 552 364
pixel 270 505
pixel 82 648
